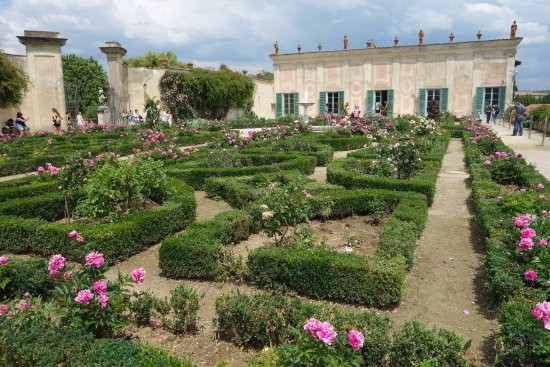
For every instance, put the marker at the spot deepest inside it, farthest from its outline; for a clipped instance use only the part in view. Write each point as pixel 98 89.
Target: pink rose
pixel 526 244
pixel 84 297
pixel 542 311
pixel 100 287
pixel 56 263
pixel 102 298
pixel 3 309
pixel 95 259
pixel 530 275
pixel 138 275
pixel 24 306
pixel 312 325
pixel 528 233
pixel 3 260
pixel 72 234
pixel 326 334
pixel 40 170
pixel 356 339
pixel 522 220
pixel 26 295
pixel 542 243
pixel 540 186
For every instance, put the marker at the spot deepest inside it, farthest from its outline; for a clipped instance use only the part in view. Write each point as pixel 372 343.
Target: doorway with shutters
pixel 378 101
pixel 488 96
pixel 286 104
pixel 425 96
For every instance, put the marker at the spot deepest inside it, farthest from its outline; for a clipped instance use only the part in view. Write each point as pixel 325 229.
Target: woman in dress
pixel 21 124
pixel 80 120
pixel 56 119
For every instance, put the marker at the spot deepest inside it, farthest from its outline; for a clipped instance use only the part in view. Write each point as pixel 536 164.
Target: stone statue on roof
pixel 513 30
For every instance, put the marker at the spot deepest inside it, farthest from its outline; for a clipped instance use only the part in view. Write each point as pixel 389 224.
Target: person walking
pixel 56 119
pixel 21 124
pixel 496 111
pixel 488 112
pixel 328 117
pixel 80 120
pixel 68 120
pixel 519 117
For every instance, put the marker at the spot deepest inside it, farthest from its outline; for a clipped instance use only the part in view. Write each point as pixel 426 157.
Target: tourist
pixel 356 113
pixel 170 118
pixel 125 116
pixel 164 117
pixel 496 111
pixel 519 116
pixel 328 117
pixel 138 119
pixel 488 112
pixel 68 120
pixel 56 119
pixel 21 124
pixel 9 128
pixel 80 120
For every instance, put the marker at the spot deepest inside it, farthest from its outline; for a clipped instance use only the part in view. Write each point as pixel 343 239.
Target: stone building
pixel 42 63
pixel 463 76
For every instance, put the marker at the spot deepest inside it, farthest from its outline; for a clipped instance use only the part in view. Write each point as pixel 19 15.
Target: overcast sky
pixel 241 33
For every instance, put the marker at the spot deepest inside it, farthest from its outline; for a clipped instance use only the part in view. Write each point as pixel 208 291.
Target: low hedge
pixel 326 274
pixel 25 275
pixel 117 240
pixel 423 181
pixel 197 252
pixel 347 143
pixel 49 206
pixel 22 189
pixel 264 320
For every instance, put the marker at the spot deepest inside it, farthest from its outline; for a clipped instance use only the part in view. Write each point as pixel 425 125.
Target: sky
pixel 241 33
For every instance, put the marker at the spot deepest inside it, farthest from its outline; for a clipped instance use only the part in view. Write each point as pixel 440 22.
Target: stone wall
pixel 460 67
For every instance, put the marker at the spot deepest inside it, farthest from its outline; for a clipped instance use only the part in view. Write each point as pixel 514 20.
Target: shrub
pixel 25 275
pixel 185 304
pixel 142 306
pixel 414 344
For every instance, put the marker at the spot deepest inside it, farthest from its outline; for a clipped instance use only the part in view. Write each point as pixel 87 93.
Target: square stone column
pixel 118 83
pixel 45 71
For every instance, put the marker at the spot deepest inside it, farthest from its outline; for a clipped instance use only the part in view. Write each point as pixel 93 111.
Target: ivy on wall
pixel 14 82
pixel 204 93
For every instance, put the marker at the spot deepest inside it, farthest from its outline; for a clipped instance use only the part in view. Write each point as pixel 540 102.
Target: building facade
pixel 464 77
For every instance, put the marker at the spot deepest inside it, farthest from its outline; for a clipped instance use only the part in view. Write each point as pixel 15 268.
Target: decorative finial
pixel 346 41
pixel 420 37
pixel 319 46
pixel 451 37
pixel 395 41
pixel 299 47
pixel 478 35
pixel 513 30
pixel 369 43
pixel 276 45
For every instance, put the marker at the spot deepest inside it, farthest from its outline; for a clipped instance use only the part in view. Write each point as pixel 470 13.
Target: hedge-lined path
pixel 320 173
pixel 201 347
pixel 445 286
pixel 531 149
pixel 18 176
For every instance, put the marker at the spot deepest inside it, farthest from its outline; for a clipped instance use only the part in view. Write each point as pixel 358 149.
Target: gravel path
pixel 320 173
pixel 531 149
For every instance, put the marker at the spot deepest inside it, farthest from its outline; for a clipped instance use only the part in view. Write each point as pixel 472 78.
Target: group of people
pixel 166 117
pixel 132 117
pixel 21 128
pixel 492 113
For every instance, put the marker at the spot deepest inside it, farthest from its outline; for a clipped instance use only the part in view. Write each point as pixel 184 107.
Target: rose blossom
pixel 100 287
pixel 540 186
pixel 326 334
pixel 139 275
pixel 3 309
pixel 84 297
pixel 72 234
pixel 102 298
pixel 56 263
pixel 95 259
pixel 522 220
pixel 542 311
pixel 40 170
pixel 526 244
pixel 3 260
pixel 542 243
pixel 530 275
pixel 528 233
pixel 356 339
pixel 26 295
pixel 267 215
pixel 24 306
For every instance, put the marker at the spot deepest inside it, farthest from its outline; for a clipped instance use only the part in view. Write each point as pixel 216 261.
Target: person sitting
pixel 9 129
pixel 21 124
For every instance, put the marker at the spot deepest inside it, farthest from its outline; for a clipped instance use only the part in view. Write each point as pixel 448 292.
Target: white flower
pixel 267 215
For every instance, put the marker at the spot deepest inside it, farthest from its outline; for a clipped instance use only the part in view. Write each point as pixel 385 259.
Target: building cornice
pixel 418 51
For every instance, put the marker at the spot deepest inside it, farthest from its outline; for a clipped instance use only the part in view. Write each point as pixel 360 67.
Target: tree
pixel 153 60
pixel 83 77
pixel 152 119
pixel 264 75
pixel 14 82
pixel 203 93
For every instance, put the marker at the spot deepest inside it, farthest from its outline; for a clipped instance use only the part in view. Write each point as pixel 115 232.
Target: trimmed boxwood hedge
pixel 348 143
pixel 25 275
pixel 423 181
pixel 117 240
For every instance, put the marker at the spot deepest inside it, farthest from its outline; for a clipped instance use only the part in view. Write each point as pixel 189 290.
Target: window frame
pixel 288 101
pixel 377 105
pixel 332 102
pixel 494 93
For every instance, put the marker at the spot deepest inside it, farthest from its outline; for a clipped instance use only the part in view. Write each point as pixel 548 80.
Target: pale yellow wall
pixel 263 99
pixel 461 67
pixel 137 77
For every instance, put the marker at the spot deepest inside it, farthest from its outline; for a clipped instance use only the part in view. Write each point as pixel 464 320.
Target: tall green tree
pixel 85 76
pixel 14 82
pixel 153 60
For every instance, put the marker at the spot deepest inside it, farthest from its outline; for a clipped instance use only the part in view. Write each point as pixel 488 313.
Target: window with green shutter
pixel 340 100
pixel 370 103
pixel 444 100
pixel 296 105
pixel 390 102
pixel 279 104
pixel 322 103
pixel 478 100
pixel 502 99
pixel 422 102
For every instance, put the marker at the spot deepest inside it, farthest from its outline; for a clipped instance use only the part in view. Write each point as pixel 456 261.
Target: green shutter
pixel 279 104
pixel 390 102
pixel 322 103
pixel 501 99
pixel 370 102
pixel 443 104
pixel 422 102
pixel 340 100
pixel 478 100
pixel 296 105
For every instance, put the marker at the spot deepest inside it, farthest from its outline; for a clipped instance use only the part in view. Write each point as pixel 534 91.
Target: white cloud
pixel 416 19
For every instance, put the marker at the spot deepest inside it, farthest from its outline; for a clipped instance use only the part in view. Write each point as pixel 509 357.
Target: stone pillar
pixel 419 83
pixel 299 80
pixel 345 83
pixel 509 82
pixel 116 76
pixel 476 79
pixel 45 72
pixel 449 83
pixel 367 69
pixel 395 87
pixel 320 86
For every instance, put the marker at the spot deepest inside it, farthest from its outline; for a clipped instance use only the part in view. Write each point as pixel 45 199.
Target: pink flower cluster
pixel 56 263
pixel 542 312
pixel 3 260
pixel 138 275
pixel 523 220
pixel 94 259
pixel 74 235
pixel 324 331
pixel 101 288
pixel 53 170
pixel 84 297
